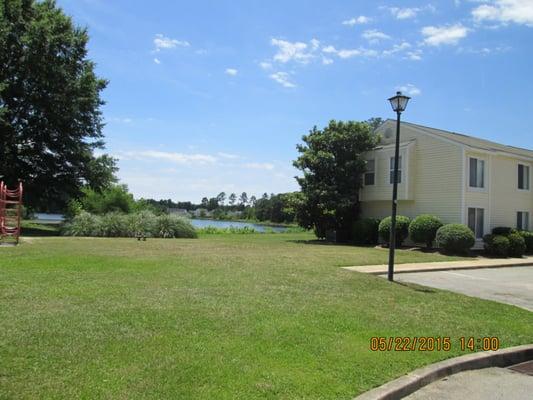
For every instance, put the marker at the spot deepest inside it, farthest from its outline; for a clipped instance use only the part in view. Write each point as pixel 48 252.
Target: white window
pixel 476 217
pixel 391 175
pixel 523 177
pixel 370 174
pixel 477 173
pixel 522 220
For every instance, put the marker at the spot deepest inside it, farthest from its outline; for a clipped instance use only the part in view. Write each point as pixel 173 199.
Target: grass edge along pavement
pixel 224 316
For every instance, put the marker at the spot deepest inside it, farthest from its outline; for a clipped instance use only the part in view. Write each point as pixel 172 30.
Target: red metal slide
pixel 10 213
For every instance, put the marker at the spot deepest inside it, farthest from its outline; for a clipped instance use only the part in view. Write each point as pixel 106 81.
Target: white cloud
pixel 327 61
pixel 415 55
pixel 265 65
pixel 409 89
pixel 291 51
pixel 156 60
pixel 178 158
pixel 255 165
pixel 349 53
pixel 397 48
pixel 228 155
pixel 231 71
pixel 121 120
pixel 357 21
pixel 408 12
pixel 505 11
pixel 448 34
pixel 283 78
pixel 163 42
pixel 315 44
pixel 373 35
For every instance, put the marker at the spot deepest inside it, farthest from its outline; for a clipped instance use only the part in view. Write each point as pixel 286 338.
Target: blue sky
pixel 211 96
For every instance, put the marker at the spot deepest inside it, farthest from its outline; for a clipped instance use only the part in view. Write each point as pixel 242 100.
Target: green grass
pixel 31 228
pixel 220 317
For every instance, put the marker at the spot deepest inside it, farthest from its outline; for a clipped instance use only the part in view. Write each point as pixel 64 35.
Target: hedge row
pixel 508 242
pixel 425 229
pixel 141 224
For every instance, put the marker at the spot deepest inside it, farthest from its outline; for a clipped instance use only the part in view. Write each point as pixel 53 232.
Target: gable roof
pixel 470 141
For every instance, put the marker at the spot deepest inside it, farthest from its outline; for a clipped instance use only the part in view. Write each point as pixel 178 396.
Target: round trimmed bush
pixel 365 231
pixel 496 245
pixel 517 245
pixel 455 238
pixel 402 229
pixel 423 229
pixel 528 239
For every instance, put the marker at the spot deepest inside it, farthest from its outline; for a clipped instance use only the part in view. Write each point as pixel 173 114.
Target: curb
pixel 419 378
pixel 437 269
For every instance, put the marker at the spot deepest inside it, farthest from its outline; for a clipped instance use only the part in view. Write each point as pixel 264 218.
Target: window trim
pixel 484 188
pixel 524 213
pixel 529 176
pixel 476 208
pixel 400 169
pixel 372 172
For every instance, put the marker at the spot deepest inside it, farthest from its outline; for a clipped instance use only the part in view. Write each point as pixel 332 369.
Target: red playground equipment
pixel 10 213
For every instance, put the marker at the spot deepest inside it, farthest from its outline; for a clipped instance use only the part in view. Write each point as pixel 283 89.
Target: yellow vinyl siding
pixel 431 183
pixel 506 198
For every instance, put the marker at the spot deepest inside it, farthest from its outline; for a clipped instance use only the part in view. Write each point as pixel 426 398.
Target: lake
pixel 202 223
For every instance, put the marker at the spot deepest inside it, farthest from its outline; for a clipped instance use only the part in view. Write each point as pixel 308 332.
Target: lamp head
pixel 399 102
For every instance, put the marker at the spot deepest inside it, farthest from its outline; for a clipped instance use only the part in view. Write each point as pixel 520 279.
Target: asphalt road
pixel 511 285
pixel 488 383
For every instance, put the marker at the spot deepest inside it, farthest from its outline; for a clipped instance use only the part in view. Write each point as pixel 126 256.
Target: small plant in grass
pixel 517 245
pixel 528 239
pixel 365 231
pixel 496 245
pixel 455 238
pixel 423 229
pixel 402 229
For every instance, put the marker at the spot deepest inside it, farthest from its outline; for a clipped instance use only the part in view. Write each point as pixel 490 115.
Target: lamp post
pixel 398 103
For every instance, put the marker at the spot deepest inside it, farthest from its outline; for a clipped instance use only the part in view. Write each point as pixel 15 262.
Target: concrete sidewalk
pixel 474 263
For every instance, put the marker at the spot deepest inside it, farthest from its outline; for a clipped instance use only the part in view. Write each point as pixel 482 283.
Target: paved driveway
pixel 512 285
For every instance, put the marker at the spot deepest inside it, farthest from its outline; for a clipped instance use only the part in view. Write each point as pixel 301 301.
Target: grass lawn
pixel 221 317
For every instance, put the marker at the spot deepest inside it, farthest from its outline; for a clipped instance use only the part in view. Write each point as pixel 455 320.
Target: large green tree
pixel 332 163
pixel 50 118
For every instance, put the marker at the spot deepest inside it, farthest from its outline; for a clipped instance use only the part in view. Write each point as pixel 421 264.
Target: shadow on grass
pixel 415 287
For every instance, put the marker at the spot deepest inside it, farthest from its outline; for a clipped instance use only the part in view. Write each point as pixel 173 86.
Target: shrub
pixel 402 229
pixel 170 226
pixel 423 229
pixel 83 224
pixel 528 239
pixel 496 245
pixel 141 223
pixel 517 245
pixel 365 231
pixel 113 224
pixel 503 230
pixel 455 238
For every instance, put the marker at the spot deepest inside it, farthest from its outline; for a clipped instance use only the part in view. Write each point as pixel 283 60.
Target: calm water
pixel 202 223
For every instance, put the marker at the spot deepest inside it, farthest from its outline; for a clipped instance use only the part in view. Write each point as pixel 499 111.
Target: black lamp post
pixel 398 103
